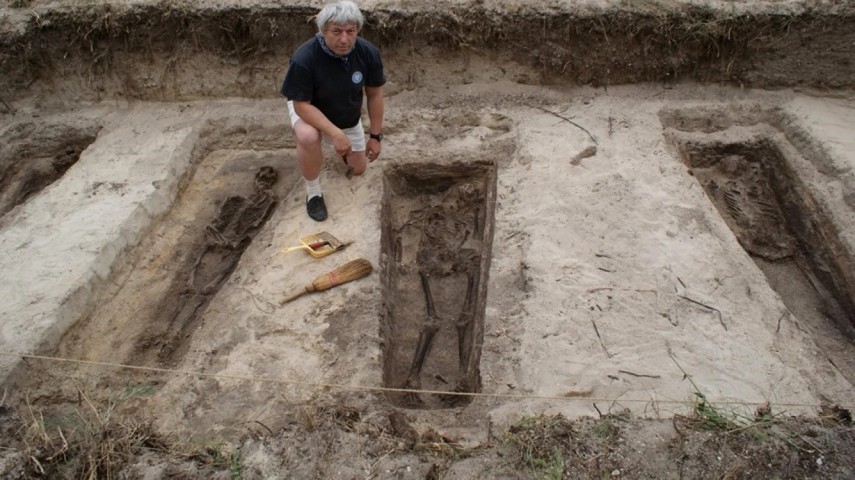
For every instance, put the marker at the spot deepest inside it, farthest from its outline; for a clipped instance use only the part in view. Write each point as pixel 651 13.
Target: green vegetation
pixel 87 440
pixel 538 442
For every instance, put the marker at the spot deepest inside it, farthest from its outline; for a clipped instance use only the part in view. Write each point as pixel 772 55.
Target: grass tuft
pixel 538 443
pixel 89 442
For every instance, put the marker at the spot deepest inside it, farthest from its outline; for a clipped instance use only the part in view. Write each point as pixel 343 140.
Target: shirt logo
pixel 356 77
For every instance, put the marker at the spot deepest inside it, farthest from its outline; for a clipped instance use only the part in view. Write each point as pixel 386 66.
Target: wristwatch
pixel 377 136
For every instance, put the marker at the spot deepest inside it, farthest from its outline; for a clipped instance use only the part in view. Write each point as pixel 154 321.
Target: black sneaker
pixel 316 208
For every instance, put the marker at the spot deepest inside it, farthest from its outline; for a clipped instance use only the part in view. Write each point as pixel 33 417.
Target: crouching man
pixel 324 86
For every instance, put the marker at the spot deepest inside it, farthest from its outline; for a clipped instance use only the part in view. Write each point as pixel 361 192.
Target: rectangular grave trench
pixel 437 231
pixel 192 250
pixel 35 155
pixel 779 223
pixel 238 187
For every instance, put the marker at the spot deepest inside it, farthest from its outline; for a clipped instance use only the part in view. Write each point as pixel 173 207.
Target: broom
pixel 352 270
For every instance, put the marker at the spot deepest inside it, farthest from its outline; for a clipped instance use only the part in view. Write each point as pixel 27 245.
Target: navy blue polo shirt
pixel 331 85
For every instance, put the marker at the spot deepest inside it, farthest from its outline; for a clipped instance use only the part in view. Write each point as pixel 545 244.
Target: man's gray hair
pixel 340 13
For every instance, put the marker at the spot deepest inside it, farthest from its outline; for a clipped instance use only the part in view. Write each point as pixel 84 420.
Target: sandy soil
pixel 627 249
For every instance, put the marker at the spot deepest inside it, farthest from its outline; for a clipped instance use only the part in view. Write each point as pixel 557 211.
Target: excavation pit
pixel 161 287
pixel 35 154
pixel 235 186
pixel 606 289
pixel 437 226
pixel 758 190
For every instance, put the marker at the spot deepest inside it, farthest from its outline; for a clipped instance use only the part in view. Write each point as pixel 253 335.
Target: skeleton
pixel 225 240
pixel 229 235
pixel 447 248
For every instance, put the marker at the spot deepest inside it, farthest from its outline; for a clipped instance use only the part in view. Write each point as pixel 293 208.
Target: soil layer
pixel 611 239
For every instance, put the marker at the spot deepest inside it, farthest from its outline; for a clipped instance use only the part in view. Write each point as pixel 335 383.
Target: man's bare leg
pixel 309 150
pixel 310 154
pixel 356 163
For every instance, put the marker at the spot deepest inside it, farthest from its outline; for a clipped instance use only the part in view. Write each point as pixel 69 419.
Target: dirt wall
pixel 168 52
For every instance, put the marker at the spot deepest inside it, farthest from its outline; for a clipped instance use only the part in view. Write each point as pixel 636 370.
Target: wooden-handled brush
pixel 352 270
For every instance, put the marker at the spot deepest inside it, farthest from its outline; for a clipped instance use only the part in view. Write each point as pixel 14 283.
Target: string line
pixel 339 386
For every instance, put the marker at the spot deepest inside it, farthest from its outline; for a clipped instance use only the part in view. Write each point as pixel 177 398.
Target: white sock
pixel 313 188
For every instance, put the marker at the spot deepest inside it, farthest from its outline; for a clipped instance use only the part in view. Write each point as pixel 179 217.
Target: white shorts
pixel 356 134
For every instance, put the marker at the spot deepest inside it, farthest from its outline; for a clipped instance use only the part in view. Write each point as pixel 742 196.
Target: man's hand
pixel 342 144
pixel 372 150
